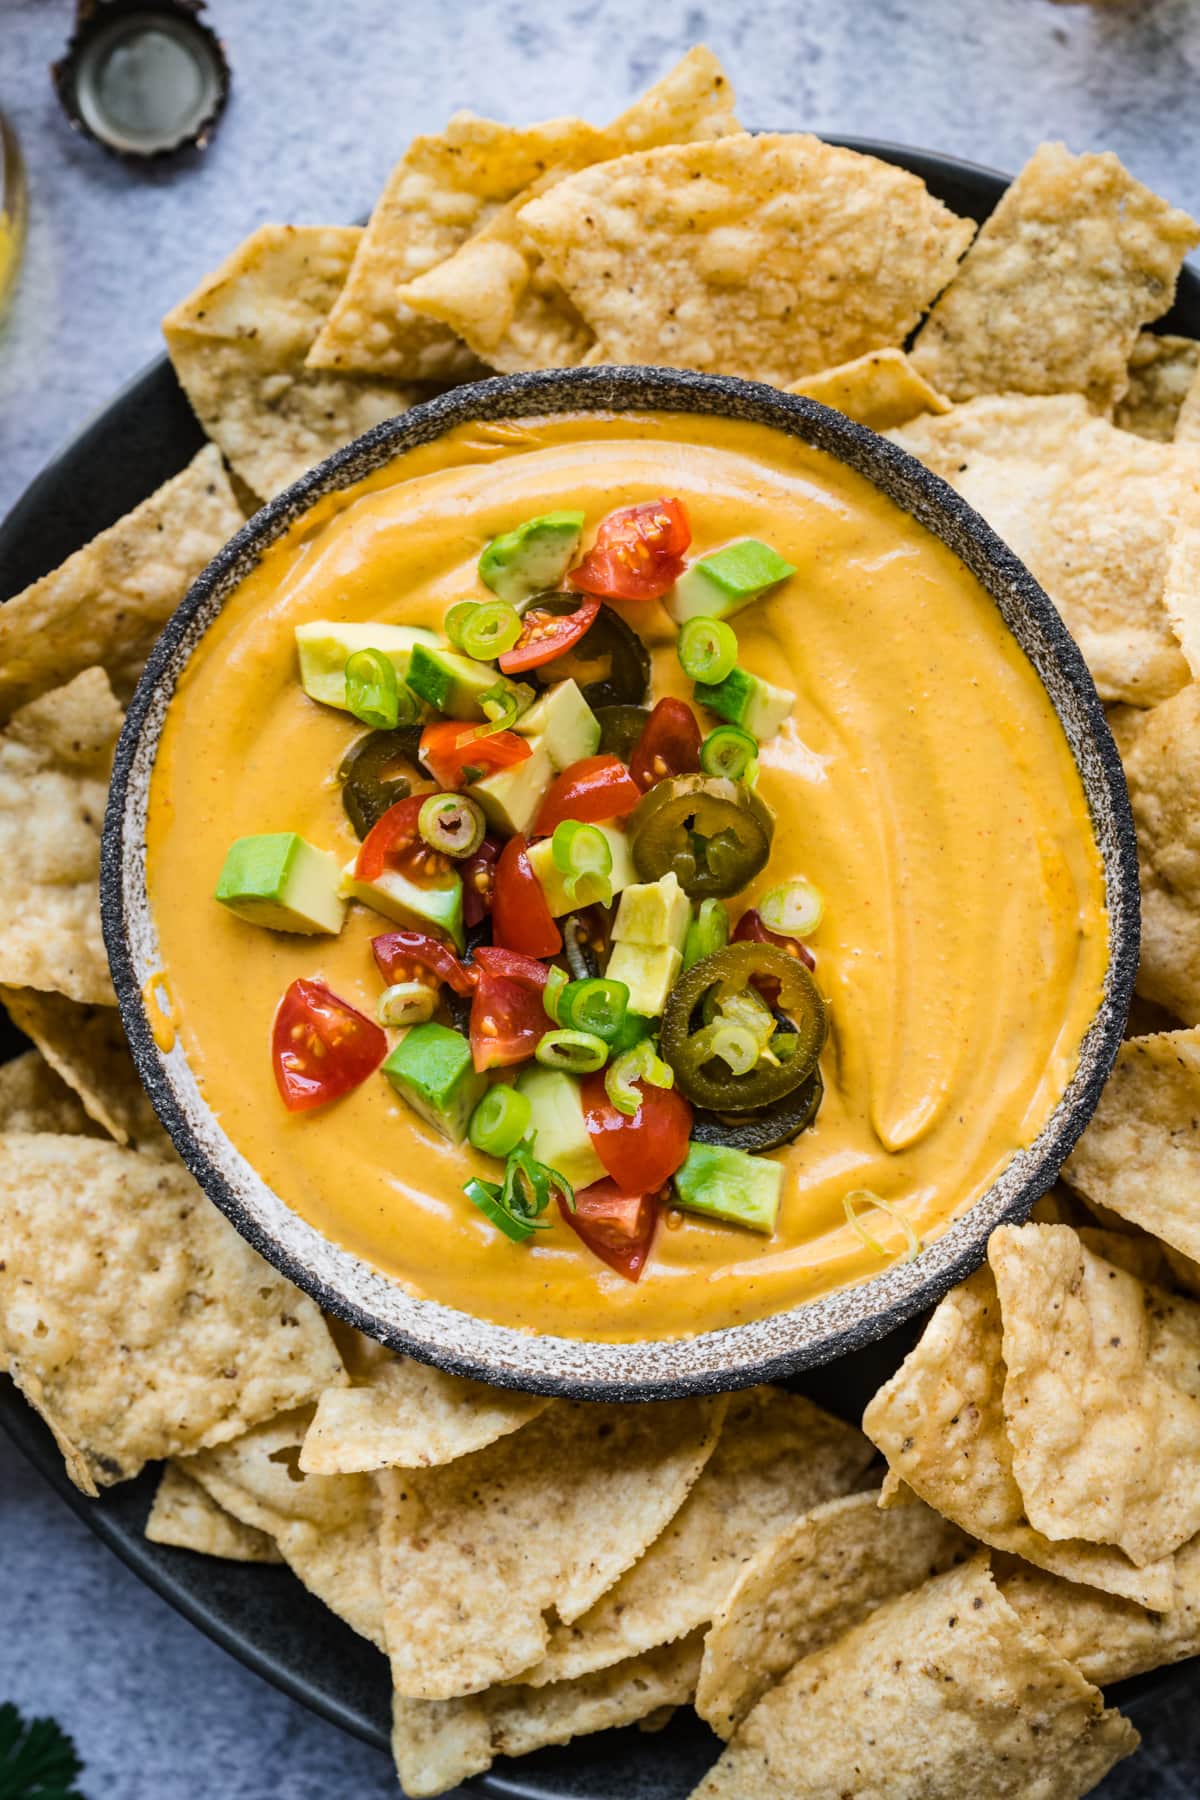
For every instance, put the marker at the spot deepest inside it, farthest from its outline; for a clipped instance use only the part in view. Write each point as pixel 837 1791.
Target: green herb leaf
pixel 38 1761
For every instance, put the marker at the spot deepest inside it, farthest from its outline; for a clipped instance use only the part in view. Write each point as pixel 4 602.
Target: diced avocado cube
pixel 541 860
pixel 649 974
pixel 728 1184
pixel 564 722
pixel 326 646
pixel 511 797
pixel 716 586
pixel 758 706
pixel 533 557
pixel 560 1133
pixel 398 898
pixel 279 880
pixel 655 913
pixel 431 1068
pixel 452 683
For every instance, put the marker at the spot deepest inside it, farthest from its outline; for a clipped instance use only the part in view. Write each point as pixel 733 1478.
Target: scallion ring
pixel 736 1045
pixel 793 909
pixel 503 704
pixel 707 933
pixel 707 649
pixel 641 1063
pixel 488 1197
pixel 583 857
pixel 862 1197
pixel 406 1003
pixel 729 751
pixel 575 1052
pixel 373 690
pixel 529 1186
pixel 500 1120
pixel 456 618
pixel 452 823
pixel 557 982
pixel 597 1006
pixel 491 629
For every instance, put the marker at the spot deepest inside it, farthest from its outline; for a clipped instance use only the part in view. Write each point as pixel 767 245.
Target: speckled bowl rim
pixel 767 1349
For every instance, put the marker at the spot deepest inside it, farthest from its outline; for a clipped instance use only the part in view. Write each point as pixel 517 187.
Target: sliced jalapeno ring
pixel 687 1043
pixel 610 663
pixel 767 1129
pixel 620 729
pixel 367 789
pixel 710 832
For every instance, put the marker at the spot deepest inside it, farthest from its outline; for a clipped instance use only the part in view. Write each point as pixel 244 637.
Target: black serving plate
pixel 261 1614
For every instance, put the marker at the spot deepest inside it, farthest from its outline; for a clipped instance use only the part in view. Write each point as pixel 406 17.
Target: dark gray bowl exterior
pixel 740 1355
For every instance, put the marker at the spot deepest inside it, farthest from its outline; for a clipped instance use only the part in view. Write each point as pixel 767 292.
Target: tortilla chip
pixel 823 1573
pixel 238 345
pixel 1161 370
pixel 1187 425
pixel 881 390
pixel 107 604
pixel 943 1694
pixel 55 761
pixel 132 1315
pixel 1076 258
pixel 441 191
pixel 1101 1394
pixel 34 1098
pixel 691 102
pixel 86 1046
pixel 769 256
pixel 1140 1155
pixel 473 1560
pixel 187 1517
pixel 1095 513
pixel 408 1416
pixel 940 1423
pixel 1161 754
pixel 326 1526
pixel 438 1743
pixel 778 1455
pixel 1107 1639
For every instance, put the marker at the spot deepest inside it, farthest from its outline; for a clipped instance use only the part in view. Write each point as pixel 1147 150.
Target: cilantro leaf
pixel 38 1761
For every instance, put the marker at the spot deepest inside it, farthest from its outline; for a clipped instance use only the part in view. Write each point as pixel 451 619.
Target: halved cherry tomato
pixel 751 930
pixel 545 635
pixel 521 920
pixel 669 744
pixel 479 879
pixel 598 787
pixel 396 843
pixel 638 552
pixel 448 751
pixel 617 1227
pixel 643 1152
pixel 321 1046
pixel 507 1014
pixel 413 956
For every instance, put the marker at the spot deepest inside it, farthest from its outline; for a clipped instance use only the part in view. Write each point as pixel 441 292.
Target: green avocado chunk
pixel 716 586
pixel 431 1068
pixel 398 898
pixel 531 558
pixel 758 706
pixel 728 1184
pixel 563 721
pixel 453 683
pixel 280 880
pixel 560 1133
pixel 325 646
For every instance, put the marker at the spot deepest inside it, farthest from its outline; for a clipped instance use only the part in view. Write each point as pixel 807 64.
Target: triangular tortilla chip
pixel 469 1567
pixel 881 390
pixel 769 256
pixel 55 761
pixel 106 604
pixel 778 1455
pixel 185 1516
pixel 133 1316
pixel 940 1423
pixel 943 1694
pixel 1101 1394
pixel 1161 371
pixel 86 1046
pixel 238 345
pixel 34 1098
pixel 1076 258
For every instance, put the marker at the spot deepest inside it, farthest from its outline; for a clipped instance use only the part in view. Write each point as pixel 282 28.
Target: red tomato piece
pixel 321 1046
pixel 596 788
pixel 479 879
pixel 643 1152
pixel 507 1014
pixel 545 635
pixel 617 1227
pixel 638 552
pixel 751 930
pixel 521 920
pixel 448 751
pixel 396 843
pixel 413 956
pixel 669 744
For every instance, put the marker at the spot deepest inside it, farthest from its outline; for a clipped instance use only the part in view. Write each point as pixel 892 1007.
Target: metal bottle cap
pixel 143 77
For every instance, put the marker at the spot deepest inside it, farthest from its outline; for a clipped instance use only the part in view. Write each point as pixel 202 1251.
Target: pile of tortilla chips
pixel 535 1570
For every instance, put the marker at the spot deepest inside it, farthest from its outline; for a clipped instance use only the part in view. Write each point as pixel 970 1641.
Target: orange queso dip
pixel 923 782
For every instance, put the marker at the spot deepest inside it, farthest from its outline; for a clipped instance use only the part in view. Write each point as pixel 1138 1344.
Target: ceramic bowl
pixel 766 1349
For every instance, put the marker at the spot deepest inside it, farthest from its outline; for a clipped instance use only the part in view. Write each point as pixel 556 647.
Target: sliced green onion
pixel 557 982
pixel 529 1186
pixel 793 909
pixel 707 933
pixel 456 618
pixel 491 629
pixel 634 1027
pixel 452 823
pixel 500 1120
pixel 597 1006
pixel 862 1197
pixel 406 1003
pixel 576 1052
pixel 707 649
pixel 488 1197
pixel 731 752
pixel 746 1008
pixel 373 690
pixel 642 1063
pixel 736 1045
pixel 583 857
pixel 503 703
